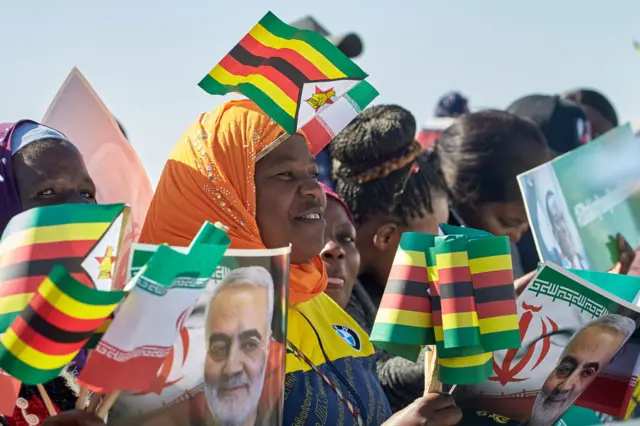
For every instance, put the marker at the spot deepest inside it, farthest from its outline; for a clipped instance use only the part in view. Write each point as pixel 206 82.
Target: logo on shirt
pixel 349 336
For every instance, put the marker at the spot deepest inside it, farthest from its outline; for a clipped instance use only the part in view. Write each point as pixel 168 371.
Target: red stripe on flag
pixel 9 389
pixel 136 373
pixel 493 278
pixel 436 318
pixel 607 394
pixel 305 66
pixel 454 275
pixel 24 285
pixel 406 303
pixel 45 251
pixel 236 68
pixel 41 343
pixel 61 320
pixel 317 134
pixel 409 273
pixel 496 309
pixel 458 305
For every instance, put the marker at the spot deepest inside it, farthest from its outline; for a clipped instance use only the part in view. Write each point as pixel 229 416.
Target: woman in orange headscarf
pixel 237 166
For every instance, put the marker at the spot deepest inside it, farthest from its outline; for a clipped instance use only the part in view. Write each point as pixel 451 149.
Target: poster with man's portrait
pixel 580 346
pixel 227 367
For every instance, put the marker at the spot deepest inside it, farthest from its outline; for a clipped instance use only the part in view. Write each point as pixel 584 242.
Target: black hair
pixel 124 133
pixel 595 100
pixel 483 153
pixel 31 151
pixel 379 139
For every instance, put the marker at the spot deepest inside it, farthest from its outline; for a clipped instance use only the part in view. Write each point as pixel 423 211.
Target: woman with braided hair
pixel 391 186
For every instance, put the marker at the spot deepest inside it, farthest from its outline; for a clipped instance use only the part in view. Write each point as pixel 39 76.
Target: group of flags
pixel 52 305
pixel 454 291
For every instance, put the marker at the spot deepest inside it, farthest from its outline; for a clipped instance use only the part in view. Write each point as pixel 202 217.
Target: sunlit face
pixel 583 359
pixel 340 255
pixel 503 219
pixel 56 175
pixel 238 336
pixel 290 201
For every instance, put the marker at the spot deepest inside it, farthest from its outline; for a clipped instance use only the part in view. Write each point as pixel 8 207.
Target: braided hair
pixel 379 168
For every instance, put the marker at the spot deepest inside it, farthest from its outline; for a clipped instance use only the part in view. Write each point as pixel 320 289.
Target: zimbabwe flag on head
pixel 83 238
pixel 297 77
pixel 59 319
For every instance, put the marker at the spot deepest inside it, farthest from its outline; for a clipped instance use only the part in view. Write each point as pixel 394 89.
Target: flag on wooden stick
pixel 83 238
pixel 297 77
pixel 466 277
pixel 147 325
pixel 59 319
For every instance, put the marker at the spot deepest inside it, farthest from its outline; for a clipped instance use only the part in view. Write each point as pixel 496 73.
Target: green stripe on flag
pixel 80 292
pixel 492 246
pixel 401 340
pixel 416 241
pixel 509 339
pixel 334 55
pixel 24 372
pixel 462 337
pixel 264 102
pixel 361 95
pixel 451 244
pixel 465 375
pixel 63 214
pixel 7 319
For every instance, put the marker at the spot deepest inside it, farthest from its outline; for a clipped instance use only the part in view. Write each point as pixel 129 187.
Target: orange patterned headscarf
pixel 210 176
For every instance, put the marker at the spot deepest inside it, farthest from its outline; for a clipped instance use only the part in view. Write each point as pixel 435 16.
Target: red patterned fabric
pixel 29 412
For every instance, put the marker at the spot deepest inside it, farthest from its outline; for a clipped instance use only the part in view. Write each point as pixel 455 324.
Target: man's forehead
pixel 596 338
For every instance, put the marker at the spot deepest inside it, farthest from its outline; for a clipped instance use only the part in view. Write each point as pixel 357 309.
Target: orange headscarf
pixel 210 176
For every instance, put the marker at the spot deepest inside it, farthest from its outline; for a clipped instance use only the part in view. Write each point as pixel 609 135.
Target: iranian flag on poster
pixel 561 314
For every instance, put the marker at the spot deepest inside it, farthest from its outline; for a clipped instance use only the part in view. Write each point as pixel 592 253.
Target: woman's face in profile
pixel 504 219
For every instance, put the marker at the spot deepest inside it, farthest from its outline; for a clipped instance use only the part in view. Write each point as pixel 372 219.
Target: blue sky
pixel 145 57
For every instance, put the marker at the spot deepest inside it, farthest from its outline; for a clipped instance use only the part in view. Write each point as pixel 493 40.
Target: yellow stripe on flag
pixel 32 357
pixel 410 258
pixel 432 273
pixel 54 234
pixel 14 303
pixel 271 89
pixel 490 264
pixel 304 49
pixel 497 324
pixel 452 260
pixel 462 319
pixel 401 317
pixel 70 306
pixel 466 361
pixel 438 333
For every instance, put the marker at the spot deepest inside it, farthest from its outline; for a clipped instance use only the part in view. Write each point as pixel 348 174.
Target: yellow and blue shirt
pixel 341 350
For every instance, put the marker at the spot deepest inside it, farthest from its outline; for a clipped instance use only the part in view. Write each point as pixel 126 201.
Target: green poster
pixel 579 201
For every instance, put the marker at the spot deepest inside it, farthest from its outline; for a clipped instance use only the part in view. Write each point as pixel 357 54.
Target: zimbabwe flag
pixel 59 319
pixel 291 74
pixel 83 238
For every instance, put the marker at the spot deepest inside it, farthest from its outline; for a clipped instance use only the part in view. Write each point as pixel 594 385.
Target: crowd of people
pixel 343 216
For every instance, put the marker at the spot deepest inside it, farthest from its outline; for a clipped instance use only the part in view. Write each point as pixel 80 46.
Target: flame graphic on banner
pixel 506 373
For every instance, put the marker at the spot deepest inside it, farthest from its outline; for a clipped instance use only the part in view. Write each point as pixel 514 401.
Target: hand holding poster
pixel 578 202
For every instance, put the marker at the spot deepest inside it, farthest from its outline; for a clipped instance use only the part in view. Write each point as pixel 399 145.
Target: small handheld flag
pixel 145 328
pixel 297 77
pixel 84 238
pixel 59 319
pixel 454 291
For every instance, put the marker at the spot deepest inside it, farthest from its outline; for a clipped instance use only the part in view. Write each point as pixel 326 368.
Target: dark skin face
pixel 57 175
pixel 379 237
pixel 340 255
pixel 501 219
pixel 290 202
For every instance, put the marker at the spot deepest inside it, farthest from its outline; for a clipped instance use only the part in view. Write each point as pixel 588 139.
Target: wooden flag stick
pixel 107 404
pixel 47 401
pixel 431 382
pixel 83 395
pixel 94 402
